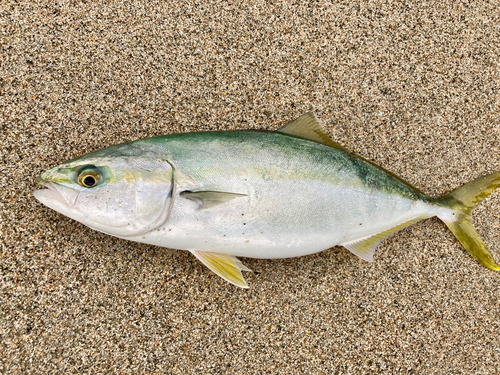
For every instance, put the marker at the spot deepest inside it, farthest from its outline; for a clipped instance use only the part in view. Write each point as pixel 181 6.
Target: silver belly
pixel 285 219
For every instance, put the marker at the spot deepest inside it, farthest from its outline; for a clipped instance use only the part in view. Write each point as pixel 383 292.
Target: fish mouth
pixel 63 200
pixel 53 193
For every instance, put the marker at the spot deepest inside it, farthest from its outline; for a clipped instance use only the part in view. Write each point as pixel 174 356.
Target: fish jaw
pixel 55 195
pixel 62 200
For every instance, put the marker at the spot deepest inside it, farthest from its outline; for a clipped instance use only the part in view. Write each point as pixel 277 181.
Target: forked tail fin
pixel 463 200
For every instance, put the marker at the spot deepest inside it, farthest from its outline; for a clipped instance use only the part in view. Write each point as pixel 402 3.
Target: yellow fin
pixel 309 127
pixel 471 194
pixel 207 199
pixel 365 248
pixel 465 232
pixel 226 266
pixel 463 200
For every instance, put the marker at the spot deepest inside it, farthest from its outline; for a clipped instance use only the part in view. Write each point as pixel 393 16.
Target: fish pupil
pixel 89 181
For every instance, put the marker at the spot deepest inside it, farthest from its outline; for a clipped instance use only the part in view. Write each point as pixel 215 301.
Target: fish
pixel 252 193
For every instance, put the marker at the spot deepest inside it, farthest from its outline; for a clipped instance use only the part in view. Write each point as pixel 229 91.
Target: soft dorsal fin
pixel 207 199
pixel 309 127
pixel 226 266
pixel 365 248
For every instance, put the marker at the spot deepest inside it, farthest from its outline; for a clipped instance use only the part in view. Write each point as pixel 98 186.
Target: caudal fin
pixel 463 200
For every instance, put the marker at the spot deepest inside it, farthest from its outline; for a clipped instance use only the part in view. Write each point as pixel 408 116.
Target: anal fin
pixel 365 247
pixel 226 266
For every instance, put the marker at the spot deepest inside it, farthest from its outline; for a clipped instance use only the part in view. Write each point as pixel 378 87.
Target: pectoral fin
pixel 207 199
pixel 226 266
pixel 365 248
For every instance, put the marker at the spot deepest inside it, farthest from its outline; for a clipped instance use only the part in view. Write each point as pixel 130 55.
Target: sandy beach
pixel 411 86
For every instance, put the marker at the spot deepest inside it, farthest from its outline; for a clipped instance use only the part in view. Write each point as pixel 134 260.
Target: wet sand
pixel 413 88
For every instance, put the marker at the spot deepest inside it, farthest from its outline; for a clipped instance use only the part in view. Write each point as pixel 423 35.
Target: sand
pixel 412 86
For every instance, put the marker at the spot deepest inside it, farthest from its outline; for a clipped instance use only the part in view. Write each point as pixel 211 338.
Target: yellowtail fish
pixel 257 194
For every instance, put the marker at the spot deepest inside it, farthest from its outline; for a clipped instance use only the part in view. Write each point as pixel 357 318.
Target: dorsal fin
pixel 309 127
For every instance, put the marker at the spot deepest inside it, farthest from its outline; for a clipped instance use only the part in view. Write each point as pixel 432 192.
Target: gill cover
pixel 154 197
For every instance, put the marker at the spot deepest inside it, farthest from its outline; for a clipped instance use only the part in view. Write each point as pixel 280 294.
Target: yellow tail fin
pixel 463 200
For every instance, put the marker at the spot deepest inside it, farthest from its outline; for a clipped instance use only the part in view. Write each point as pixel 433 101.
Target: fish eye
pixel 89 177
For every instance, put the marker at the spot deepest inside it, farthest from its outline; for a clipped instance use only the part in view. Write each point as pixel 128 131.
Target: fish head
pixel 120 191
